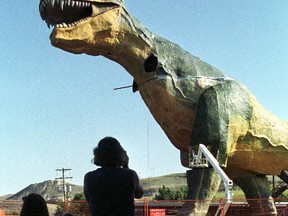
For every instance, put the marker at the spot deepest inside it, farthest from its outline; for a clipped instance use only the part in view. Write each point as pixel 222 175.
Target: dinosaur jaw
pixel 67 13
pixel 81 26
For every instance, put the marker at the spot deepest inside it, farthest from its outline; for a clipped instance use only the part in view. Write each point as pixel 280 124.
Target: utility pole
pixel 63 177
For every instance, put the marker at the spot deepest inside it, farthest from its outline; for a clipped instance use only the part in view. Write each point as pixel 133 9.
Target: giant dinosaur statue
pixel 191 100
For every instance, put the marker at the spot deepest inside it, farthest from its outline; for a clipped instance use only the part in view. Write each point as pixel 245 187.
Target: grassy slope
pixel 174 181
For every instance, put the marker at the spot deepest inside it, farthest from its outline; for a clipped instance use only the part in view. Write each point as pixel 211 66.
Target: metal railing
pixel 239 207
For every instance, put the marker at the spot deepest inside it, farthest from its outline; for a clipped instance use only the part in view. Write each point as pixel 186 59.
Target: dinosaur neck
pixel 131 48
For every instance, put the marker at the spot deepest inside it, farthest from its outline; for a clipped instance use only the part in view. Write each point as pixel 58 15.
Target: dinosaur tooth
pixel 72 3
pixel 69 2
pixel 52 2
pixel 46 2
pixel 62 25
pixel 41 8
pixel 43 3
pixel 62 4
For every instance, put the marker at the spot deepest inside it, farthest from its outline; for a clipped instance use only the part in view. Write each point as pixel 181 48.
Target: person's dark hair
pixel 34 205
pixel 109 152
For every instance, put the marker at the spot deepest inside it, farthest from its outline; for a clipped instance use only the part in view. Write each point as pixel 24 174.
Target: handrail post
pixel 66 206
pixel 146 213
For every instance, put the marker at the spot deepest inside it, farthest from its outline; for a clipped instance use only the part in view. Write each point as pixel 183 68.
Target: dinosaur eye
pixel 150 63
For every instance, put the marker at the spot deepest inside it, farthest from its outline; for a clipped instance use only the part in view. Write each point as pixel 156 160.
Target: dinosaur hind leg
pixel 257 187
pixel 202 187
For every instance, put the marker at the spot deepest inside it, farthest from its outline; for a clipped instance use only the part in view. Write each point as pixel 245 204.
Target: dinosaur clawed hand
pixel 66 13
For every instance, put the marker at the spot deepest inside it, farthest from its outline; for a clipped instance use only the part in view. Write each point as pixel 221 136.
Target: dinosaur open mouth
pixel 66 13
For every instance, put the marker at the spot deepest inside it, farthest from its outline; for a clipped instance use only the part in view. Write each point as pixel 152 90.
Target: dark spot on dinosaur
pixel 150 63
pixel 160 71
pixel 180 73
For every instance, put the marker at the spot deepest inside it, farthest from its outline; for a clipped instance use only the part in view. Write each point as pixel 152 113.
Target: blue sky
pixel 55 106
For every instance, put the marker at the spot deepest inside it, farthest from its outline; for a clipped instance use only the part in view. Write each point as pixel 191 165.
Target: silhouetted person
pixel 111 189
pixel 34 205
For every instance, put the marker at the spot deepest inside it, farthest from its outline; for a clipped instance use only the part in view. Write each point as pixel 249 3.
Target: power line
pixel 63 177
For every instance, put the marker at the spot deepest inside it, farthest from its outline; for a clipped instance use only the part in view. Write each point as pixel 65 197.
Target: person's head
pixel 109 153
pixel 34 205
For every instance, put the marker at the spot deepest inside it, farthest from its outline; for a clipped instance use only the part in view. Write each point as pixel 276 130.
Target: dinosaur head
pixel 99 27
pixel 82 26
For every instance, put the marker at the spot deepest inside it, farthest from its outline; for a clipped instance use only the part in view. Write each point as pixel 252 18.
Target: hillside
pixel 173 181
pixel 52 190
pixel 5 196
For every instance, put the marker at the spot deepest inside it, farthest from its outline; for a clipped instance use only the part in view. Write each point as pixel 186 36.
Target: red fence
pixel 239 207
pixel 11 207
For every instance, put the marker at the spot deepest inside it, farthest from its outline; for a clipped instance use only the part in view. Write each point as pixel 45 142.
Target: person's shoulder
pixel 92 172
pixel 130 171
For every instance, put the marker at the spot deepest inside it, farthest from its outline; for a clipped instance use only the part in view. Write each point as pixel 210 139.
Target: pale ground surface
pixel 51 208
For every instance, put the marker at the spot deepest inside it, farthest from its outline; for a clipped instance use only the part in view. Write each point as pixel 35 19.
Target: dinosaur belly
pixel 270 160
pixel 174 114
